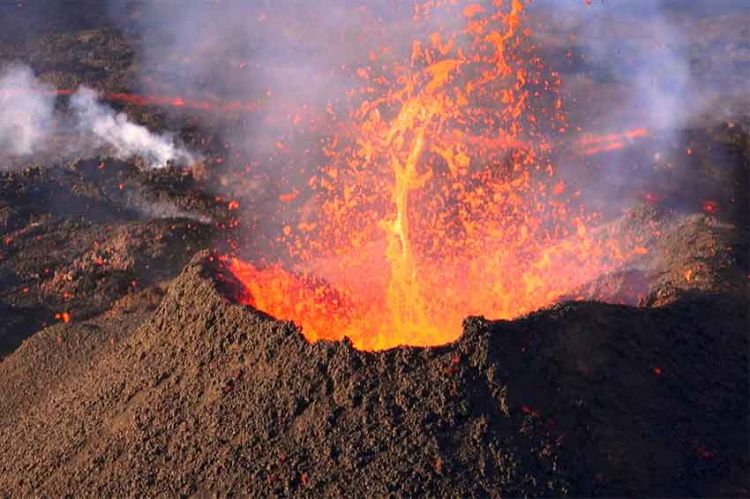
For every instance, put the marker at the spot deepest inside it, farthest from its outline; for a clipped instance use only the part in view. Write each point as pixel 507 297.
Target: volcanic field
pixel 404 291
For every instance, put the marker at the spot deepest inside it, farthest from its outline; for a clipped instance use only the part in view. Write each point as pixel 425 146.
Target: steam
pixel 26 111
pixel 651 63
pixel 656 64
pixel 663 66
pixel 284 55
pixel 30 125
pixel 125 138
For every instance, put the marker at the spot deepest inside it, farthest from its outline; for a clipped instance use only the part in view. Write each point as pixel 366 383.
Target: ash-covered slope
pixel 78 236
pixel 209 396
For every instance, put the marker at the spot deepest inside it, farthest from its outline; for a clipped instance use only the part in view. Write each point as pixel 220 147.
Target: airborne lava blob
pixel 438 198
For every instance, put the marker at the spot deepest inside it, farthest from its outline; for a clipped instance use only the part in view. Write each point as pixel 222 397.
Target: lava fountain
pixel 438 197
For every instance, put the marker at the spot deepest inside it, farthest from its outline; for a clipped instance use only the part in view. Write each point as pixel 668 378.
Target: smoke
pixel 293 58
pixel 655 64
pixel 660 65
pixel 126 139
pixel 663 66
pixel 26 111
pixel 30 125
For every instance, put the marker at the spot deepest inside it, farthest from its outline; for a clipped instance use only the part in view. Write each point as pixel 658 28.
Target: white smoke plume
pixel 26 111
pixel 126 139
pixel 29 122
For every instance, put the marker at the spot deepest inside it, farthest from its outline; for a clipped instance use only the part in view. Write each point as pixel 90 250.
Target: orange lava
pixel 589 145
pixel 438 199
pixel 210 106
pixel 175 101
pixel 63 316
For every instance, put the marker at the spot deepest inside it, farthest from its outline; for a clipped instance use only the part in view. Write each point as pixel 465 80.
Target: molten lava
pixel 438 198
pixel 589 145
pixel 144 100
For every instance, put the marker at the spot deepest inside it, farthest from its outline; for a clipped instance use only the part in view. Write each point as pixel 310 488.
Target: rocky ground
pixel 77 237
pixel 164 385
pixel 209 397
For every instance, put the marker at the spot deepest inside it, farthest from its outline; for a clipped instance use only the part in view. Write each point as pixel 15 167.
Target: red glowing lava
pixel 438 198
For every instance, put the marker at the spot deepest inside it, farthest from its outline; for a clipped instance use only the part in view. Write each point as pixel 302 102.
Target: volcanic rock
pixel 210 397
pixel 77 238
pixel 693 253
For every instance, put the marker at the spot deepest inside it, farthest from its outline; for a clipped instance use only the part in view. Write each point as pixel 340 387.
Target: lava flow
pixel 145 100
pixel 438 198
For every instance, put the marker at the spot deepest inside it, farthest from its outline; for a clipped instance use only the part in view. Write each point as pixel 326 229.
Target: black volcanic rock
pixel 208 396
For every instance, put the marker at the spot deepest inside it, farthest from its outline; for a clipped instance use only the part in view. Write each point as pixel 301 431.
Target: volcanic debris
pixel 207 396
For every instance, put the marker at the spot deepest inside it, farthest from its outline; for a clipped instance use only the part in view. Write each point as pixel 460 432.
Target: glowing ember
pixel 63 316
pixel 438 199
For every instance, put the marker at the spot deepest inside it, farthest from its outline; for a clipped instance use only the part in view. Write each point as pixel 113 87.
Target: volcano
pixel 440 248
pixel 210 397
